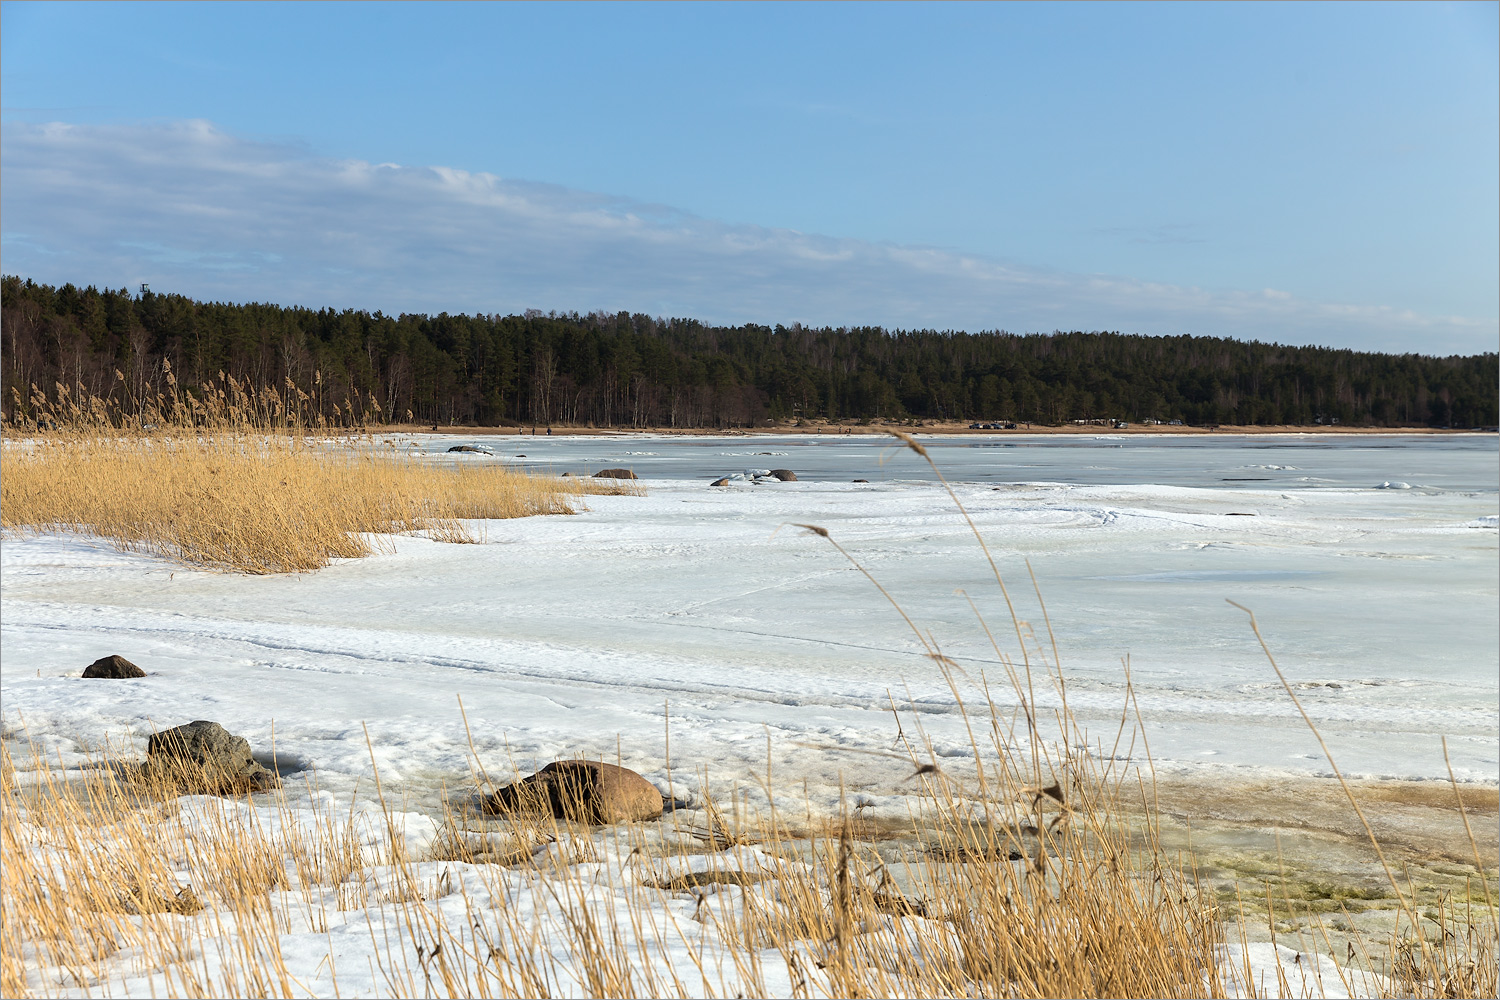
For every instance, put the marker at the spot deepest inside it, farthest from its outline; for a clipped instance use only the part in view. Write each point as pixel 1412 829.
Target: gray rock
pixel 785 475
pixel 113 667
pixel 207 758
pixel 583 791
pixel 615 474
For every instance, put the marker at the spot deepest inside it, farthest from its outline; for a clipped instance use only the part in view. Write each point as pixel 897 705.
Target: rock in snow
pixel 114 667
pixel 207 757
pixel 584 791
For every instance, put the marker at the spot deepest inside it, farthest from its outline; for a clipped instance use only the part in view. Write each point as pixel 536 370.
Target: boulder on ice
pixel 205 757
pixel 583 791
pixel 113 667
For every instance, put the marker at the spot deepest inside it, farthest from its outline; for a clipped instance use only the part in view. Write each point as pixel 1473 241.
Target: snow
pixel 705 617
pixel 1263 969
pixel 578 634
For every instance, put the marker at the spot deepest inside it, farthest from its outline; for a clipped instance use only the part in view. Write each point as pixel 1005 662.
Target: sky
pixel 1300 173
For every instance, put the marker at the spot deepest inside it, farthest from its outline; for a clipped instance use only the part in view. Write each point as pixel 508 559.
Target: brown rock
pixel 113 668
pixel 615 474
pixel 205 757
pixel 785 475
pixel 719 482
pixel 583 791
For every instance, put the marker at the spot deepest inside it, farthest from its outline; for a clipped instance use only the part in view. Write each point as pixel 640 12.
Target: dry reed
pixel 258 503
pixel 109 882
pixel 236 481
pixel 218 404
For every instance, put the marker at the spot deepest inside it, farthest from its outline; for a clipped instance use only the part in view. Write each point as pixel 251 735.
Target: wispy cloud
pixel 190 208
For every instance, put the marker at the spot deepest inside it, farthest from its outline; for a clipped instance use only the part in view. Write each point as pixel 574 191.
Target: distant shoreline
pixel 954 429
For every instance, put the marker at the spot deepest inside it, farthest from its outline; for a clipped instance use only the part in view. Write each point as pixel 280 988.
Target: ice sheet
pixel 585 633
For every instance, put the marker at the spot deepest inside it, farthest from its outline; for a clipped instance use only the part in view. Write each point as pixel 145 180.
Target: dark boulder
pixel 785 475
pixel 204 757
pixel 113 667
pixel 583 791
pixel 615 474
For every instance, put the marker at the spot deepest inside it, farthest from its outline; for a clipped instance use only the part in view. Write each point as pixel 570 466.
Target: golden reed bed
pixel 258 503
pixel 251 483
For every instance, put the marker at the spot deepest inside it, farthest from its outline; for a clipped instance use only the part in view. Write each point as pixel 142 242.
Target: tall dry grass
pixel 108 880
pixel 105 865
pixel 217 404
pixel 113 884
pixel 258 503
pixel 235 480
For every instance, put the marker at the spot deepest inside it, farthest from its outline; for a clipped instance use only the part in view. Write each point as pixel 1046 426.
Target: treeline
pixel 632 370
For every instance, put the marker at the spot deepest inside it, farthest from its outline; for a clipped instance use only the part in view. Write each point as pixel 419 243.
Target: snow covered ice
pixel 1370 563
pixel 571 633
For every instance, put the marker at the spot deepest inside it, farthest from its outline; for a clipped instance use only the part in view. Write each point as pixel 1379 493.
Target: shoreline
pixel 944 429
pixel 1418 819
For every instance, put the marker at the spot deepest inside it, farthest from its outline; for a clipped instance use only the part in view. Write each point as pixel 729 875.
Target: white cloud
pixel 189 208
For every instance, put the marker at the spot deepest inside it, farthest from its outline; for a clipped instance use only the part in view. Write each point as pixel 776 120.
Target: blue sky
pixel 1302 173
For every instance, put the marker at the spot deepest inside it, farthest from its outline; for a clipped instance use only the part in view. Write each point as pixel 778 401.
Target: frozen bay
pixel 1371 564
